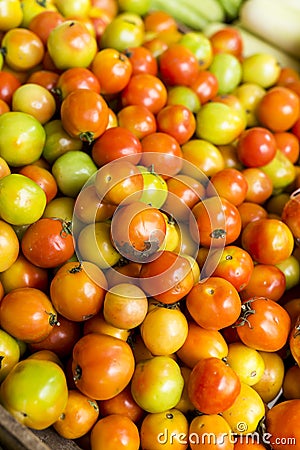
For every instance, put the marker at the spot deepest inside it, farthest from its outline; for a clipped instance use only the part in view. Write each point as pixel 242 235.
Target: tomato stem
pixel 87 136
pixel 53 319
pixel 218 233
pixel 77 373
pixel 76 269
pixel 246 311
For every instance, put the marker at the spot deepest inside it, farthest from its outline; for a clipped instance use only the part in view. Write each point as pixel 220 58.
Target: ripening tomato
pixel 76 78
pixel 214 303
pixel 11 15
pixel 22 273
pixel 70 44
pixel 157 383
pixel 218 222
pixel 284 437
pixel 246 412
pixel 246 362
pixel 142 232
pixel 142 60
pixel 178 121
pixel 35 393
pixel 8 84
pixel 263 324
pixel 288 143
pixel 9 246
pixel 9 353
pixel 43 23
pixel 24 50
pixel 43 177
pixel 260 185
pixel 210 432
pixel 290 214
pixel 227 40
pixel 113 70
pixel 201 343
pixel 110 373
pixel 213 386
pixel 269 241
pixel 229 183
pixel 168 278
pixel 168 430
pixel 137 119
pixel 125 306
pixel 294 340
pixel 251 211
pixel 84 114
pixel 79 416
pixel 279 109
pixel 77 290
pixel 48 242
pixel 27 314
pixel 119 182
pixel 171 330
pixel 115 431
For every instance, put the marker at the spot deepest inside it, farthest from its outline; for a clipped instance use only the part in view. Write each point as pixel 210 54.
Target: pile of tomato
pixel 149 231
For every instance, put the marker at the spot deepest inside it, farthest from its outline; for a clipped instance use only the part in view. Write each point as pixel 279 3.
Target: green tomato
pixel 260 68
pixel 184 95
pixel 35 392
pixel 22 200
pixel 200 46
pixel 58 141
pixel 228 71
pixel 218 123
pixel 155 189
pixel 70 44
pixel 157 384
pixel 9 353
pixel 140 7
pixel 250 95
pixel 124 31
pixel 22 138
pixel 72 170
pixel 281 171
pixel 291 269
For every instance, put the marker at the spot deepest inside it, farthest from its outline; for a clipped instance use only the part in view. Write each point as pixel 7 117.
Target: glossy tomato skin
pixel 178 65
pixel 84 114
pixel 48 243
pixel 168 278
pixel 74 293
pixel 290 215
pixel 284 437
pixel 76 78
pixel 35 393
pixel 214 303
pixel 213 386
pixel 103 378
pixel 27 314
pixel 269 241
pixel 264 324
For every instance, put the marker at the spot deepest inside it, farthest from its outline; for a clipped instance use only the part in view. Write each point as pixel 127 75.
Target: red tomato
pixel 178 65
pixel 218 222
pixel 145 89
pixel 205 85
pixel 44 22
pixel 214 303
pixel 288 143
pixel 8 84
pixel 178 121
pixel 142 232
pixel 264 324
pixel 43 178
pixel 229 183
pixel 115 431
pixel 269 241
pixel 76 78
pixel 250 211
pixel 213 386
pixel 27 314
pixel 266 281
pixel 168 278
pixel 45 78
pixel 232 263
pixel 256 147
pixel 107 375
pixel 84 114
pixel 61 339
pixel 260 186
pixel 137 119
pixel 290 214
pixel 227 40
pixel 48 243
pixel 114 143
pixel 142 60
